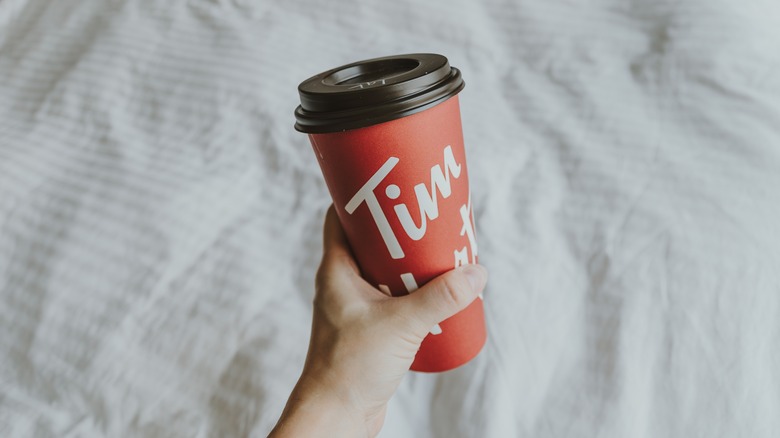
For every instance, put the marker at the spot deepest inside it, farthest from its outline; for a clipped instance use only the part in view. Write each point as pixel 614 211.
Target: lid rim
pixel 348 125
pixel 329 107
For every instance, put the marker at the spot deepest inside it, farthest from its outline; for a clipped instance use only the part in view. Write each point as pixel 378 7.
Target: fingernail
pixel 477 276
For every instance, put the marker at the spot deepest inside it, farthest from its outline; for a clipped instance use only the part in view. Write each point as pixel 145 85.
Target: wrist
pixel 318 409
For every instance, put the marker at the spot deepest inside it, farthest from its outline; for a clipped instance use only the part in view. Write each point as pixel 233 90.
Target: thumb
pixel 445 295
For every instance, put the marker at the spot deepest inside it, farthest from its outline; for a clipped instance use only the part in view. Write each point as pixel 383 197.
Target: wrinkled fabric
pixel 160 219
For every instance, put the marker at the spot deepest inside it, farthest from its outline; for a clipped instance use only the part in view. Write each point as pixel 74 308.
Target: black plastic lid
pixel 373 91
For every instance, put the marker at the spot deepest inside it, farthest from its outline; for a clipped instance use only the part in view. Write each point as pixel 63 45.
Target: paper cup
pixel 387 135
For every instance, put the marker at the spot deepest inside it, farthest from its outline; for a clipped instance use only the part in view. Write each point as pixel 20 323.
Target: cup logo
pixel 427 201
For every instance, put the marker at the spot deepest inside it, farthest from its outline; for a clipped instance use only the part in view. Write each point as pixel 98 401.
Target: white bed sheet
pixel 160 218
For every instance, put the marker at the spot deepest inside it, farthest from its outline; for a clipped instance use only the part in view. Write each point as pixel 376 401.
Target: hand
pixel 363 342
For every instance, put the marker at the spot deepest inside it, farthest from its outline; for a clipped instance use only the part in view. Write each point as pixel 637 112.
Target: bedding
pixel 160 219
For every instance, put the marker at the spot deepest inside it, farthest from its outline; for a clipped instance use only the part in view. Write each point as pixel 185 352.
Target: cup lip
pixel 374 91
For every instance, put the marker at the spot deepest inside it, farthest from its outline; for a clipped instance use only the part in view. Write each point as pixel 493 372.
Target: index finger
pixel 337 254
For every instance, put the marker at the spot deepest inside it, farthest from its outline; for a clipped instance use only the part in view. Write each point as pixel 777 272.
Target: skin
pixel 363 342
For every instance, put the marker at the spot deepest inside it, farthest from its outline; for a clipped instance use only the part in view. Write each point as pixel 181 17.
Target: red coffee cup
pixel 388 138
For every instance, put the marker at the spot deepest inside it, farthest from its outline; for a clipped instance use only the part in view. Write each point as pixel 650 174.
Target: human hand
pixel 363 342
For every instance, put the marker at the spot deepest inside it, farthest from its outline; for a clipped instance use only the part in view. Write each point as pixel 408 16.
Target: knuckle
pixel 335 267
pixel 320 287
pixel 452 291
pixel 321 277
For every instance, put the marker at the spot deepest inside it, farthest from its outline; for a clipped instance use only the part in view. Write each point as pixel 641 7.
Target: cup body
pixel 401 191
